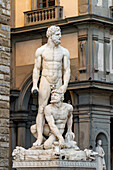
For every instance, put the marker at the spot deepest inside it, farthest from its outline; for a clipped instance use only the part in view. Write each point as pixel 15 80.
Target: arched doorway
pixel 23 113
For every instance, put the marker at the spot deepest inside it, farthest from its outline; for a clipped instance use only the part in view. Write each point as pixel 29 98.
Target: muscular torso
pixel 52 63
pixel 60 115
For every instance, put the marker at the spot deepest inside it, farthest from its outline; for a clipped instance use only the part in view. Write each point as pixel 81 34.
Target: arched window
pixel 45 3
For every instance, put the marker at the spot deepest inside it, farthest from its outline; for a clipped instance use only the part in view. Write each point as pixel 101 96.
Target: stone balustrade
pixel 43 15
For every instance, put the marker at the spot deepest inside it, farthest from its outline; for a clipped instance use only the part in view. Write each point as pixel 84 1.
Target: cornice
pixel 91 84
pixel 63 23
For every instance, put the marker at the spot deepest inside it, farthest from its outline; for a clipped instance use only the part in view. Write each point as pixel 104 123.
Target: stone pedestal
pixel 55 165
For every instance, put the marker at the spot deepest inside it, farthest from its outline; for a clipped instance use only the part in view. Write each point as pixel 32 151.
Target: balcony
pixel 43 15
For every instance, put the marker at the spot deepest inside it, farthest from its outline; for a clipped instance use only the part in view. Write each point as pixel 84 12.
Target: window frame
pixel 34 3
pixel 47 3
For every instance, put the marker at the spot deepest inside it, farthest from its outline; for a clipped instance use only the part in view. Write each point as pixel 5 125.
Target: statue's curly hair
pixel 51 30
pixel 58 92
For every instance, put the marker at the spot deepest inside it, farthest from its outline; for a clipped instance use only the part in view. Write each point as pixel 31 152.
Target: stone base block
pixel 54 165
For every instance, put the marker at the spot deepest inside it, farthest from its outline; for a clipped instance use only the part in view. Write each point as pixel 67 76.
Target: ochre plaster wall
pixel 20 7
pixel 25 56
pixel 25 52
pixel 70 8
pixel 70 41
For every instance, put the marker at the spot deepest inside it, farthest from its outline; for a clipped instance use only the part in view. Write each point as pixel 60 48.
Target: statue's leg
pixel 46 130
pixel 48 143
pixel 44 93
pixel 34 130
pixel 59 83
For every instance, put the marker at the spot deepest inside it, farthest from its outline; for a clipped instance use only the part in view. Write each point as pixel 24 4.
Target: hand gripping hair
pixel 58 92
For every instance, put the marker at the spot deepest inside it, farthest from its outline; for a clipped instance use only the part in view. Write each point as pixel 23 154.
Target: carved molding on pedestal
pixel 55 163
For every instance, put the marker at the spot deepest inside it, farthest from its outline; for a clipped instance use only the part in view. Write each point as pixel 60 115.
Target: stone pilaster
pixel 4 82
pixel 83 7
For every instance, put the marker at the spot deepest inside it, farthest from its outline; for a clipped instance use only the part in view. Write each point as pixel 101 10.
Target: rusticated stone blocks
pixel 4 82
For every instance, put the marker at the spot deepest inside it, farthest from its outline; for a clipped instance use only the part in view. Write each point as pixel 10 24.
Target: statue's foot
pixel 38 142
pixel 47 144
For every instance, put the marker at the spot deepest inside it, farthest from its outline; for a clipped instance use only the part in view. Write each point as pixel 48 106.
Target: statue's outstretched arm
pixel 66 76
pixel 66 68
pixel 36 70
pixel 70 118
pixel 69 124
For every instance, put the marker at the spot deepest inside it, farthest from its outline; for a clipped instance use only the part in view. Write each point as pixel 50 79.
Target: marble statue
pixel 51 143
pixel 50 57
pixel 18 153
pixel 100 3
pixel 100 157
pixel 55 153
pixel 57 115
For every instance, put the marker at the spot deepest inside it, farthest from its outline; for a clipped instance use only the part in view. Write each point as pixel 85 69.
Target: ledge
pixel 64 22
pixel 102 85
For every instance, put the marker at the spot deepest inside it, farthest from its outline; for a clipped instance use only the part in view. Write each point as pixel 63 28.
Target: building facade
pixel 87 32
pixel 4 82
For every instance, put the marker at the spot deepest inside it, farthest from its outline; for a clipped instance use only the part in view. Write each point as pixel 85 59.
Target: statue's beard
pixel 55 100
pixel 57 42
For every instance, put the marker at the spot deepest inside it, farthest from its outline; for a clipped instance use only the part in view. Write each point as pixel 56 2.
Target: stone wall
pixel 4 82
pixel 98 7
pixel 83 7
